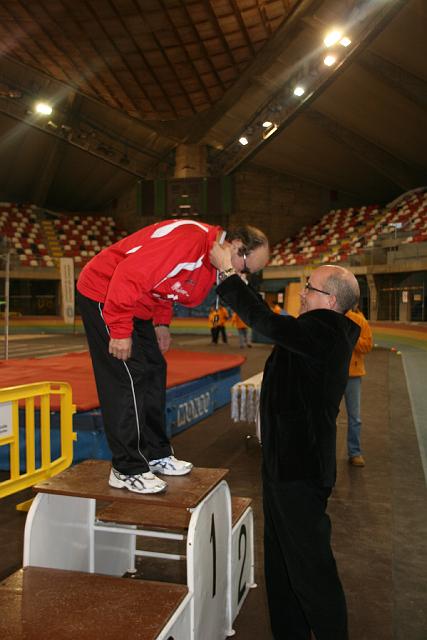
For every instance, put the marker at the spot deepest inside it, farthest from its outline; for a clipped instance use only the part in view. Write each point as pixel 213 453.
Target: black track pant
pixel 216 331
pixel 303 586
pixel 132 394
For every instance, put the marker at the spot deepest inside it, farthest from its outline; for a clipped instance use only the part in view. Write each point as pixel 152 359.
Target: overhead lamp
pixel 269 131
pixel 345 42
pixel 7 92
pixel 299 91
pixel 330 60
pixel 243 141
pixel 332 38
pixel 43 108
pixel 267 124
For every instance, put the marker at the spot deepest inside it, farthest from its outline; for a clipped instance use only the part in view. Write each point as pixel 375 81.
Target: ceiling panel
pixel 157 60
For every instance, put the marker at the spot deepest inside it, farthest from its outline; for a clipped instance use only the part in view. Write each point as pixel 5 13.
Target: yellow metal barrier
pixel 10 400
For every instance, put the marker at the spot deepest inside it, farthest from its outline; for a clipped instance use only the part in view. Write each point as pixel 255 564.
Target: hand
pixel 163 338
pixel 220 256
pixel 120 348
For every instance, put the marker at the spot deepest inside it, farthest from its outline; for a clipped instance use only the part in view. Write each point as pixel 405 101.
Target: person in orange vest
pixel 242 330
pixel 217 319
pixel 353 388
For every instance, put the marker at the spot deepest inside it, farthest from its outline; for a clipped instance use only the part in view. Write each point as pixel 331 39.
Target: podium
pixel 52 603
pixel 66 530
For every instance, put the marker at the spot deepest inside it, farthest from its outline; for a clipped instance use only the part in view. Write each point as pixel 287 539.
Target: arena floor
pixel 379 513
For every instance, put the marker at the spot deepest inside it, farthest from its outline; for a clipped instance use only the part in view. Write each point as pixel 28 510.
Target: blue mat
pixel 186 404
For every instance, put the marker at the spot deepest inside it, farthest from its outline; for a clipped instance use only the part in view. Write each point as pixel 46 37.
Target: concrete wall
pixel 279 204
pixel 125 211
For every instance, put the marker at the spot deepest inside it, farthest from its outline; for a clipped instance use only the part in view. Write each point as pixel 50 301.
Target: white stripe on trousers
pixel 133 393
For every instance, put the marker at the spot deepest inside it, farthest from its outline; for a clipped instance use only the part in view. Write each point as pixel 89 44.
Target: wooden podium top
pixel 52 603
pixel 89 479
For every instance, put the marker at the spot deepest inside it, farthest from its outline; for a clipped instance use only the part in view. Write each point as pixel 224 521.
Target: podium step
pixel 170 519
pixel 238 508
pixel 89 479
pixel 146 516
pixel 53 603
pixel 67 529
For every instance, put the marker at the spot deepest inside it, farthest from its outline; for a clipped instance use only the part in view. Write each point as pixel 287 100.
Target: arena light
pixel 345 42
pixel 268 131
pixel 299 91
pixel 243 141
pixel 267 124
pixel 330 60
pixel 332 38
pixel 43 108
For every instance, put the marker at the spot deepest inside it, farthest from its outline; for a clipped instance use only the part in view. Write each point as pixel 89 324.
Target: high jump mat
pixel 197 384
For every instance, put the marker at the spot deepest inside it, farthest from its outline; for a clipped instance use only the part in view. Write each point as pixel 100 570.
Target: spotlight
pixel 43 108
pixel 329 60
pixel 269 131
pixel 299 91
pixel 345 42
pixel 7 92
pixel 267 124
pixel 243 141
pixel 332 38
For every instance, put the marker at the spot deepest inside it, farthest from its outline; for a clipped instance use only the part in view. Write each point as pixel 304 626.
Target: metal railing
pixel 28 399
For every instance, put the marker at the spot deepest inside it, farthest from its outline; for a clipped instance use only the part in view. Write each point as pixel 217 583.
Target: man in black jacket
pixel 304 380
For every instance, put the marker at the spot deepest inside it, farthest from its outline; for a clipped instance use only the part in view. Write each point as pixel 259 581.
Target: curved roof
pixel 130 80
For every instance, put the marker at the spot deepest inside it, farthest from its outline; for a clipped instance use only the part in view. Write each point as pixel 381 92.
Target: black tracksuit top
pixel 304 380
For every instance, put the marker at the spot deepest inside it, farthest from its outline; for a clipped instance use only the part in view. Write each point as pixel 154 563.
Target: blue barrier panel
pixel 186 404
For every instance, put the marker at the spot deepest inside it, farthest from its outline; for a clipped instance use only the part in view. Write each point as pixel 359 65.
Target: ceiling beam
pixel 273 48
pixel 141 145
pixel 193 130
pixel 397 171
pixel 368 19
pixel 412 87
pixel 88 138
pixel 69 124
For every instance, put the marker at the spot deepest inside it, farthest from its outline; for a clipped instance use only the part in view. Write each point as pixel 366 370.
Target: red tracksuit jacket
pixel 143 274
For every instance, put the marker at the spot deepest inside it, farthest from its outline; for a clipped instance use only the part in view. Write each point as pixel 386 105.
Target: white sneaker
pixel 138 483
pixel 170 466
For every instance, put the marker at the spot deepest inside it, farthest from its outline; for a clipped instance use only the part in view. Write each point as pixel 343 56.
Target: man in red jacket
pixel 125 296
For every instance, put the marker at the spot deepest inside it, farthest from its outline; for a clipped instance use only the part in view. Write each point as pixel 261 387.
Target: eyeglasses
pixel 245 266
pixel 309 287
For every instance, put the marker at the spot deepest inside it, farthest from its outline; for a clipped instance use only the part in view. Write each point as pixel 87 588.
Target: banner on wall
pixel 67 289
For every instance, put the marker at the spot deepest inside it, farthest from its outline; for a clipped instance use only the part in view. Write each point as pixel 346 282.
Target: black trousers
pixel 132 394
pixel 215 331
pixel 303 587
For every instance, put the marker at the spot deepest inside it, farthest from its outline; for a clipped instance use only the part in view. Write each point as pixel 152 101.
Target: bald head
pixel 343 285
pixel 330 287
